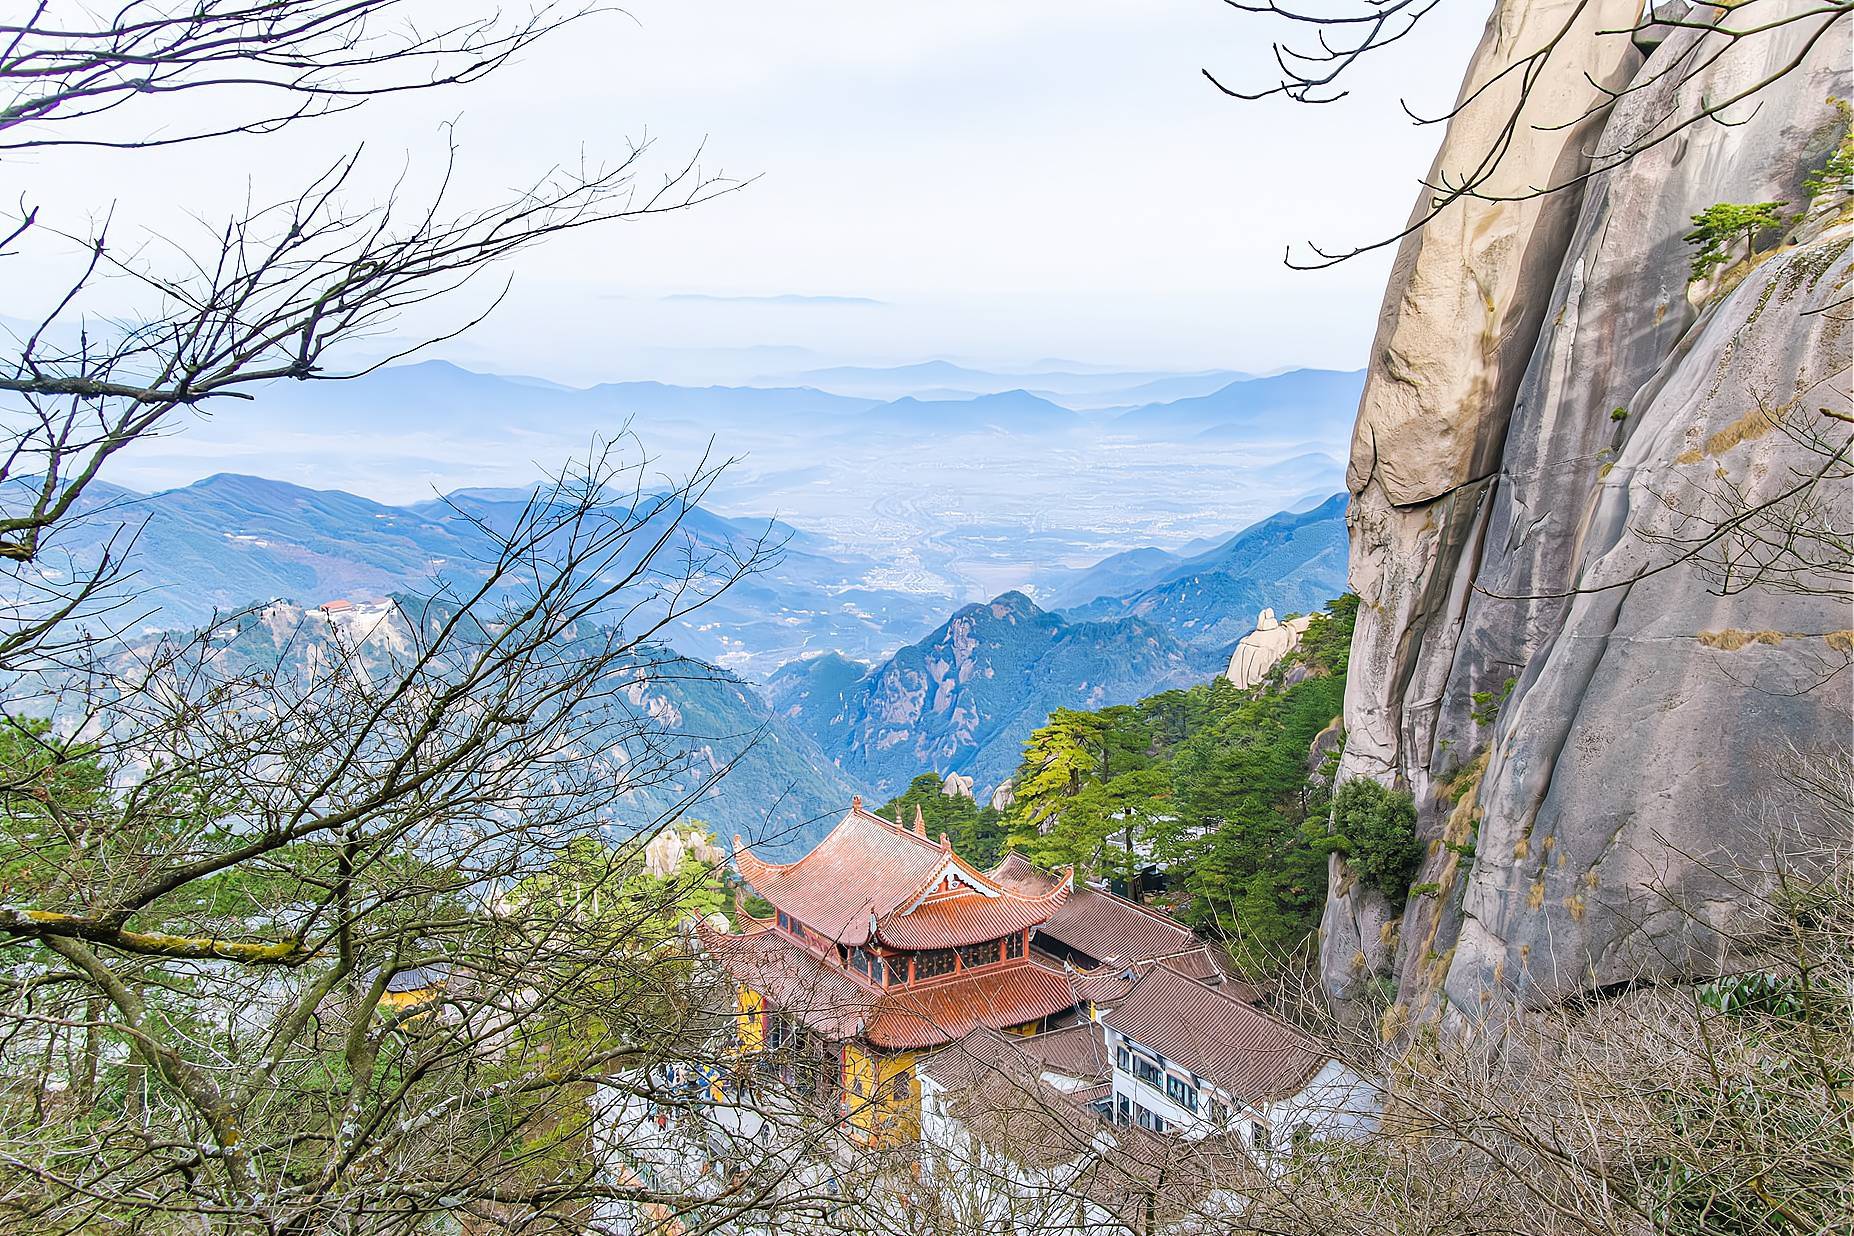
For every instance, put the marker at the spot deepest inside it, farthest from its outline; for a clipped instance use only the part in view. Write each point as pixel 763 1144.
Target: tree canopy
pixel 1210 786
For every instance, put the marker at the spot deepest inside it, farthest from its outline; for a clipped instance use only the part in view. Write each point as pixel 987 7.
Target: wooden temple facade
pixel 885 944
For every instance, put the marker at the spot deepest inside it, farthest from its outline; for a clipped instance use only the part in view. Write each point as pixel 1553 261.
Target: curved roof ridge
pixel 749 864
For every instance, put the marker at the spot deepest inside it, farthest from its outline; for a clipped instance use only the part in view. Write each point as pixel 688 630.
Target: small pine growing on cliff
pixel 1374 826
pixel 1836 175
pixel 1719 228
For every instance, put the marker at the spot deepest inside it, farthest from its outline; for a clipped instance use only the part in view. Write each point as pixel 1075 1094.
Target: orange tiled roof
pixel 871 878
pixel 794 980
pixel 941 1012
pixel 1078 1051
pixel 838 1007
pixel 1096 923
pixel 966 918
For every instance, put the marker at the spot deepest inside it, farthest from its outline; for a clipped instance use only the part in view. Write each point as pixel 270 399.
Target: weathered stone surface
pixel 1466 296
pixel 1606 739
pixel 1619 778
pixel 664 853
pixel 1262 649
pixel 1468 291
pixel 956 785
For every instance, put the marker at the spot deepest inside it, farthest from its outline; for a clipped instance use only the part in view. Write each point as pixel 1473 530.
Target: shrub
pixel 1487 703
pixel 1374 826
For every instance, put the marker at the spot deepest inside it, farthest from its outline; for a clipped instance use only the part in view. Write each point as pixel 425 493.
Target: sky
pixel 1001 183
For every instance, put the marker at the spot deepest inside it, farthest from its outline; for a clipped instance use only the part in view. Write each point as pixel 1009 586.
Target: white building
pixel 1193 1060
pixel 1015 1137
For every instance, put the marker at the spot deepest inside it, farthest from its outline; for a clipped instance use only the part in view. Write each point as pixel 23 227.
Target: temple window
pixel 933 963
pixel 1014 946
pixel 972 956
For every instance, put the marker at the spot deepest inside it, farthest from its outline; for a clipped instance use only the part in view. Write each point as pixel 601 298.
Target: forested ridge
pixel 1212 799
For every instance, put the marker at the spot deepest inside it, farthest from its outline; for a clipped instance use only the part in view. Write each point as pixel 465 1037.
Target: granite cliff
pixel 1550 655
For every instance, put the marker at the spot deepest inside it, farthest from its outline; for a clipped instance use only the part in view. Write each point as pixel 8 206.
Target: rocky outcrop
pixel 1262 649
pixel 957 785
pixel 665 852
pixel 1536 659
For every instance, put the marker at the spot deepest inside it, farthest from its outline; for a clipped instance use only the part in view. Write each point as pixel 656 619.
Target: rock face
pixel 957 785
pixel 1547 419
pixel 664 853
pixel 1262 649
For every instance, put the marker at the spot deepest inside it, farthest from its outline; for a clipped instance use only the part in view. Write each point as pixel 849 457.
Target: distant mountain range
pixel 966 697
pixel 1299 404
pixel 229 541
pixel 1079 389
pixel 1291 562
pixel 1013 411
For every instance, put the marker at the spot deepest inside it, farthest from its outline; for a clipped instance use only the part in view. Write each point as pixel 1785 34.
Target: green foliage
pixel 1374 826
pixel 977 833
pixel 1724 225
pixel 1209 784
pixel 1618 413
pixel 599 890
pixel 1487 703
pixel 1428 888
pixel 1326 646
pixel 1837 174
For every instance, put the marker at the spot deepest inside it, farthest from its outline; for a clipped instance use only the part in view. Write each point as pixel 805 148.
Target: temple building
pixel 884 944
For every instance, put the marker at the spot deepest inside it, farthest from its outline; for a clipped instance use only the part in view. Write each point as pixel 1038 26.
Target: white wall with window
pixel 1155 1093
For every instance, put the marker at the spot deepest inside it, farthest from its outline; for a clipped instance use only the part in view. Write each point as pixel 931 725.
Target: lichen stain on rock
pixel 1732 639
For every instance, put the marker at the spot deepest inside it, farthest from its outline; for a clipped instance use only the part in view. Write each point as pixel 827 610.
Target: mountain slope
pixel 966 697
pixel 778 788
pixel 1112 576
pixel 1298 404
pixel 1287 562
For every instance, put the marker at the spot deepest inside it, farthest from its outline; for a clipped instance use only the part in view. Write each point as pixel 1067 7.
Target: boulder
pixel 1262 649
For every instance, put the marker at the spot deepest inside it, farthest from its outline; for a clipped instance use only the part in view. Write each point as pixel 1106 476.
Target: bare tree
pixel 270 292
pixel 1313 67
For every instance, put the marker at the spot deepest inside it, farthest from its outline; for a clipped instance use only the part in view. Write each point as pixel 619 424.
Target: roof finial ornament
pixel 920 822
pixel 946 843
pixel 856 802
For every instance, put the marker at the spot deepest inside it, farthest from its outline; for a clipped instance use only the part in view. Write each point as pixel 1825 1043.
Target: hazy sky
pixel 999 181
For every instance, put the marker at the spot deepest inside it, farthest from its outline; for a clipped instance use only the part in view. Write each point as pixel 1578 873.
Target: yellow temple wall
pixel 877 1113
pixel 752 1020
